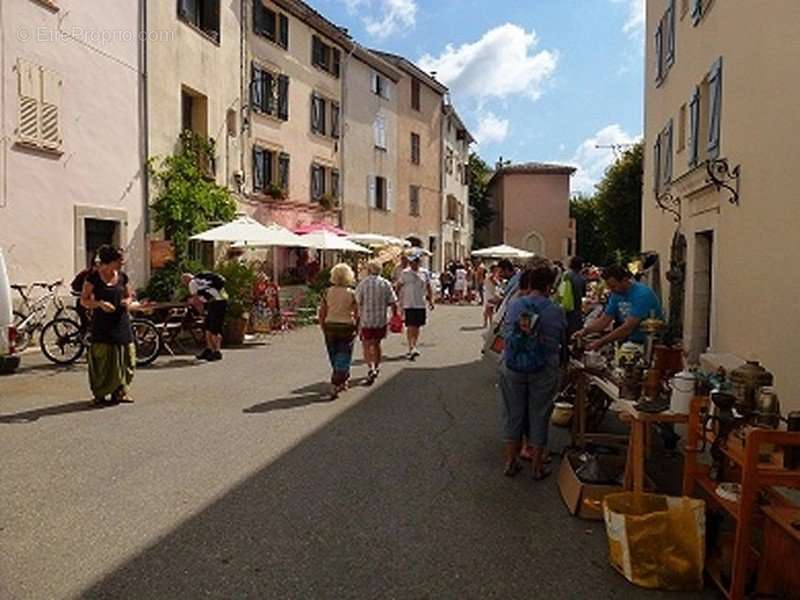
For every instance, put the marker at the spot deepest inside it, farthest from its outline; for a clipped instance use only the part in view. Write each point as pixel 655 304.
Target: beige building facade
pixel 370 144
pixel 72 114
pixel 457 221
pixel 720 109
pixel 531 206
pixel 420 99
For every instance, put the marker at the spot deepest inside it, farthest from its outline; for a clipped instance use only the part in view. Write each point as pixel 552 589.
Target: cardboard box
pixel 585 500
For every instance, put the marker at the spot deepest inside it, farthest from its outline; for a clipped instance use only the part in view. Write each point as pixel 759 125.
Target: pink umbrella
pixel 314 227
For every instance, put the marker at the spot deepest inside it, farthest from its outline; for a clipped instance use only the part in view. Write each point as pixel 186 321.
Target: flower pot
pixel 233 332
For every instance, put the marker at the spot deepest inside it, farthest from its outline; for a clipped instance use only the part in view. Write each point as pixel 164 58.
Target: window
pixel 415 149
pixel 448 161
pixel 194 112
pixel 666 149
pixel 274 27
pixel 379 128
pixel 262 169
pixel 318 114
pixel 269 93
pixel 335 114
pixel 413 200
pixel 681 129
pixel 699 10
pixel 283 171
pixel 657 165
pixel 415 94
pixel 452 208
pixel 325 57
pixel 714 108
pixel 381 86
pixel 283 97
pixel 665 43
pixel 202 15
pixel 335 183
pixel 317 182
pixel 39 106
pixel 379 191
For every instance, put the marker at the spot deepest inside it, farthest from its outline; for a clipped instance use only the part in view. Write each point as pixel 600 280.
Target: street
pixel 236 479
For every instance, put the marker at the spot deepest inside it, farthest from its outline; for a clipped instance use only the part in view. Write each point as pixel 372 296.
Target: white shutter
pixel 374 83
pixel 387 90
pixel 389 196
pixel 51 110
pixel 29 91
pixel 376 129
pixel 371 195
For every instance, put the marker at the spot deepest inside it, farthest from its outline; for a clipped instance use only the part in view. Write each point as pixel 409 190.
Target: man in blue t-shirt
pixel 630 303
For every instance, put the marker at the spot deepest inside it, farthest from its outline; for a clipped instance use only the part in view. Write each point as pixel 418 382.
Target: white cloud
pixel 397 15
pixel 491 129
pixel 592 161
pixel 635 22
pixel 501 63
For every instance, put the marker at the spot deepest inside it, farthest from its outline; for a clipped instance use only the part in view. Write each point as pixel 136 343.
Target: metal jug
pixel 746 381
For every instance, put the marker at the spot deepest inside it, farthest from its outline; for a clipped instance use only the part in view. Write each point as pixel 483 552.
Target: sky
pixel 534 80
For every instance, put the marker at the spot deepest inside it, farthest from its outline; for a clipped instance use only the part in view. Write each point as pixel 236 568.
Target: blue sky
pixel 535 80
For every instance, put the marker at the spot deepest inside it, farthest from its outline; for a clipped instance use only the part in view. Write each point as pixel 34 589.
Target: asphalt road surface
pixel 237 479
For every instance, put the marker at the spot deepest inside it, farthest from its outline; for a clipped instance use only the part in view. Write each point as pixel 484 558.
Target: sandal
pixel 512 469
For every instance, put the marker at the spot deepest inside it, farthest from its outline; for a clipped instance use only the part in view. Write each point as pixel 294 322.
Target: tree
pixel 479 175
pixel 619 205
pixel 591 244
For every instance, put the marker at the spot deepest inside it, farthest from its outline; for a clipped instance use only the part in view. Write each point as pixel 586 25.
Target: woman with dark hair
pixel 534 333
pixel 112 355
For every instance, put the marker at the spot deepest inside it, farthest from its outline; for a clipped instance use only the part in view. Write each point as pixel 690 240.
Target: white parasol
pixel 503 251
pixel 326 240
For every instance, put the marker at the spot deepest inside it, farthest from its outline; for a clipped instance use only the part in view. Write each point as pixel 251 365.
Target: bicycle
pixel 32 313
pixel 64 340
pixel 177 323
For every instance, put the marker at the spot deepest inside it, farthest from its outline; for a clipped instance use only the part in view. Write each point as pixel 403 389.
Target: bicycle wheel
pixel 147 340
pixel 61 341
pixel 23 333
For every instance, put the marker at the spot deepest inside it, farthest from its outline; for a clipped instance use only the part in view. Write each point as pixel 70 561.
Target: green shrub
pixel 321 282
pixel 239 280
pixel 165 283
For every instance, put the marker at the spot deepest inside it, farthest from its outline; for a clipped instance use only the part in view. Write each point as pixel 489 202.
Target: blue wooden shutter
pixel 694 127
pixel 283 171
pixel 697 11
pixel 657 164
pixel 668 153
pixel 659 43
pixel 258 169
pixel 268 92
pixel 283 97
pixel 714 108
pixel 335 119
pixel 283 32
pixel 671 34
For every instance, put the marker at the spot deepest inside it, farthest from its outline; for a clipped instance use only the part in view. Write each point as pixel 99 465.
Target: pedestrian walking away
pixel 534 331
pixel 207 295
pixel 112 354
pixel 374 296
pixel 416 294
pixel 338 318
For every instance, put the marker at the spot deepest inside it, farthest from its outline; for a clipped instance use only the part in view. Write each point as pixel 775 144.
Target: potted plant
pixel 277 191
pixel 239 280
pixel 328 201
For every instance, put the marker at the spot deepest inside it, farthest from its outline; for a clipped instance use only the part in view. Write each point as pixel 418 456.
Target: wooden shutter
pixel 315 192
pixel 314 114
pixel 211 20
pixel 185 9
pixel 697 11
pixel 668 153
pixel 671 34
pixel 376 130
pixel 337 62
pixel 415 92
pixel 258 169
pixel 283 97
pixel 374 86
pixel 256 91
pixel 316 51
pixel 268 92
pixel 657 164
pixel 51 110
pixel 659 46
pixel 387 89
pixel 389 196
pixel 29 79
pixel 335 183
pixel 283 31
pixel 283 171
pixel 714 108
pixel 694 127
pixel 335 114
pixel 372 195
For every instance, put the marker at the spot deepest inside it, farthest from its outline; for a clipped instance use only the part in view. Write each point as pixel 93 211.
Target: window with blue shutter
pixel 263 20
pixel 262 94
pixel 659 42
pixel 694 127
pixel 317 114
pixel 317 182
pixel 283 171
pixel 670 20
pixel 697 11
pixel 259 159
pixel 714 108
pixel 667 137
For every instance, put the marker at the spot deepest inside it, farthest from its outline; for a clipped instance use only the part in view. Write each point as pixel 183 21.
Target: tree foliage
pixel 479 174
pixel 186 199
pixel 609 223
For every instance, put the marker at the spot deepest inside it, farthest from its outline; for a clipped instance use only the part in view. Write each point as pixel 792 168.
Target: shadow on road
pixel 31 416
pixel 400 496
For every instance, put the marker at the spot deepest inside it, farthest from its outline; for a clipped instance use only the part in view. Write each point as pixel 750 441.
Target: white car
pixel 9 360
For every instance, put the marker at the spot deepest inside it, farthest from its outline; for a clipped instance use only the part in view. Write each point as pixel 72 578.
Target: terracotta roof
pixel 537 168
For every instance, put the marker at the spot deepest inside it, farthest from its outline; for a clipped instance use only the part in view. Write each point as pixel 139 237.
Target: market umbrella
pixel 326 240
pixel 377 239
pixel 314 227
pixel 502 251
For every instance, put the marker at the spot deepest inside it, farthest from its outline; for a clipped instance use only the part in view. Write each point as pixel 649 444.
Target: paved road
pixel 236 480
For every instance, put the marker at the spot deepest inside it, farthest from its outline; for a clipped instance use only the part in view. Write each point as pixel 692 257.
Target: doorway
pixel 702 296
pixel 99 232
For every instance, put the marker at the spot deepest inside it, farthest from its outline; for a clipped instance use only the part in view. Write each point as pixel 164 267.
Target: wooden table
pixel 639 423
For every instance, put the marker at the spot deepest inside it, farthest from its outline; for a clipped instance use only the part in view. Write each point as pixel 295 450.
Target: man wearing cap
pixel 416 293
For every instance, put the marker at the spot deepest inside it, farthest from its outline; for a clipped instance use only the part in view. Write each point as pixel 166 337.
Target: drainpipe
pixel 343 134
pixel 244 96
pixel 145 133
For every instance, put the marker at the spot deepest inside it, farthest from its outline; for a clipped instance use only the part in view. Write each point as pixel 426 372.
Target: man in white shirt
pixel 414 289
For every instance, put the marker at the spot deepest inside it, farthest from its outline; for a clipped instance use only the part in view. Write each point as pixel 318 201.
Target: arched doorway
pixel 534 242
